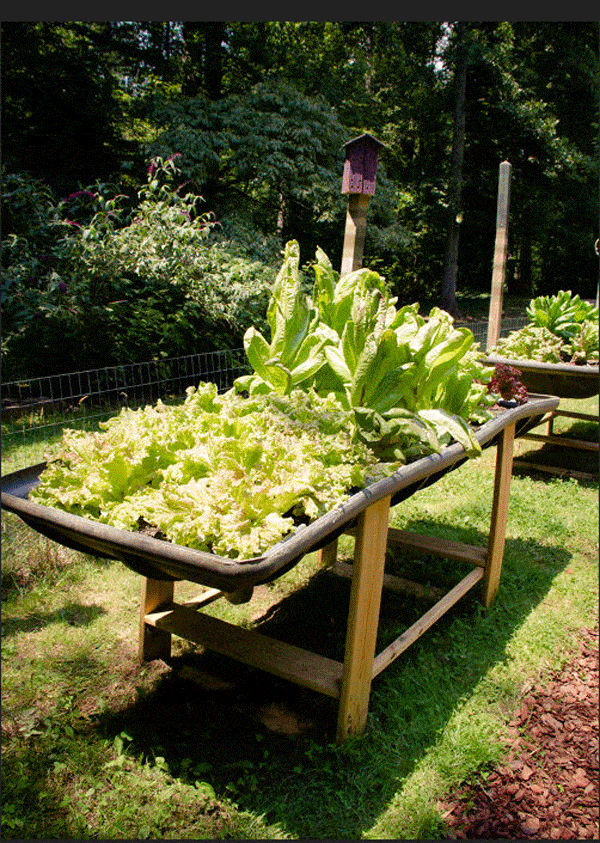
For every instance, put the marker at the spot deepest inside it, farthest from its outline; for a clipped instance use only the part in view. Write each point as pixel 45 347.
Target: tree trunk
pixel 282 212
pixel 214 34
pixel 448 298
pixel 192 63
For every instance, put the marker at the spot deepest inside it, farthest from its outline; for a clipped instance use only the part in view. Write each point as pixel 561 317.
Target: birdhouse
pixel 360 167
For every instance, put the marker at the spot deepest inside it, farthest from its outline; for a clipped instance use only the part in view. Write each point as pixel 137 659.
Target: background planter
pixel 564 380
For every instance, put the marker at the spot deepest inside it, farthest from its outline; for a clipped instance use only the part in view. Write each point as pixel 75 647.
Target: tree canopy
pixel 259 111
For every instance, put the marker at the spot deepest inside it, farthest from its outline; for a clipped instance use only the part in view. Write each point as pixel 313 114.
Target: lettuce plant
pixel 563 329
pixel 563 314
pixel 347 390
pixel 413 382
pixel 221 473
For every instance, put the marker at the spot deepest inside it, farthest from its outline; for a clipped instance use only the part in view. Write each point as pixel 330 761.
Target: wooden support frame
pixel 350 680
pixel 550 438
pixel 567 442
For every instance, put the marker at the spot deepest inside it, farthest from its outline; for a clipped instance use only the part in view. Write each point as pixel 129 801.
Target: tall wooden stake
pixel 354 234
pixel 500 249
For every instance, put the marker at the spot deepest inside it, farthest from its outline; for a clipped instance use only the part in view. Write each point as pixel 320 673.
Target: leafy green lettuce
pixel 413 382
pixel 562 329
pixel 221 473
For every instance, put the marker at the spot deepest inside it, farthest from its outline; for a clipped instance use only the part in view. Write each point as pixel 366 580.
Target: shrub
pixel 114 286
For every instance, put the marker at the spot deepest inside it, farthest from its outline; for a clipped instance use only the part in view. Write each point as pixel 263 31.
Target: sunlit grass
pixel 97 745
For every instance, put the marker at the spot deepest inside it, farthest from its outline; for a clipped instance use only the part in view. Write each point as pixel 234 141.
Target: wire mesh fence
pixel 35 411
pixel 480 329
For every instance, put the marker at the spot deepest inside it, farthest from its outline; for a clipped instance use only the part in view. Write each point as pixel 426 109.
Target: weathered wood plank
pixel 203 599
pixel 252 648
pixel 557 439
pixel 363 618
pixel 457 551
pixel 403 642
pixel 497 536
pixel 553 469
pixel 393 582
pixel 154 643
pixel 571 414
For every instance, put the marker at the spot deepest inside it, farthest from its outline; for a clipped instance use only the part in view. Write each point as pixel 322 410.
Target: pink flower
pixel 79 193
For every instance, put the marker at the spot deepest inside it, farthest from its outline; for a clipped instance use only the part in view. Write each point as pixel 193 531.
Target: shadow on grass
pixel 269 745
pixel 75 614
pixel 550 461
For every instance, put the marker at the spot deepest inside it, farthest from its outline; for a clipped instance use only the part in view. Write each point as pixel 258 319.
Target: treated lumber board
pixel 327 556
pixel 554 469
pixel 154 643
pixel 457 551
pixel 252 648
pixel 393 583
pixel 578 444
pixel 403 642
pixel 363 617
pixel 497 535
pixel 203 599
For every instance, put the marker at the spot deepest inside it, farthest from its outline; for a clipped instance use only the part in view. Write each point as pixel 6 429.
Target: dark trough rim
pixel 572 369
pixel 565 380
pixel 159 559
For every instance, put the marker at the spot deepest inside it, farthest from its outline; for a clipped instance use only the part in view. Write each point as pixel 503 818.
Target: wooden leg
pixel 495 552
pixel 327 556
pixel 363 618
pixel 154 643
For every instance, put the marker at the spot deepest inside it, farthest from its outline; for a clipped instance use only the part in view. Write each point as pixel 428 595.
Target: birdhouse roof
pixel 365 136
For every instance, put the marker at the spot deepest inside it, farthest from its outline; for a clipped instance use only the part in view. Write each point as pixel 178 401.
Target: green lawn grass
pixel 96 745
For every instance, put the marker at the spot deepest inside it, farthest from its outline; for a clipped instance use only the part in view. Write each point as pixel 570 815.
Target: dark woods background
pixel 256 114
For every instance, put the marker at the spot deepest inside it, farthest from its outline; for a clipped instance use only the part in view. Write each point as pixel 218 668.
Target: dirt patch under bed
pixel 547 787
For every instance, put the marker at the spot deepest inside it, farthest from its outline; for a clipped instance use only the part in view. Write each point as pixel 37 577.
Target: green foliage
pixel 273 145
pixel 563 328
pixel 412 382
pixel 159 282
pixel 219 473
pixel 59 111
pixel 531 343
pixel 260 110
pixel 563 313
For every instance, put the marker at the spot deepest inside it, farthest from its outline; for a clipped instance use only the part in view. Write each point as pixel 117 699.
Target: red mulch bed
pixel 547 786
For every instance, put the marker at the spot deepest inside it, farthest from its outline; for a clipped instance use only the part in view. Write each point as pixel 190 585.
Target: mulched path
pixel 546 788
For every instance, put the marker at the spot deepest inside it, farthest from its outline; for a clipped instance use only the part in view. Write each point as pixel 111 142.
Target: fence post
pixel 500 248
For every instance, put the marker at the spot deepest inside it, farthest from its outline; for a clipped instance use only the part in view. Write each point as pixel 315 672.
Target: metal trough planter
pixel 564 380
pixel 365 515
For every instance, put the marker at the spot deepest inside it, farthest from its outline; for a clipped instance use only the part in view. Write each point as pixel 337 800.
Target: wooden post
pixel 363 618
pixel 354 235
pixel 358 181
pixel 154 643
pixel 497 536
pixel 500 249
pixel 327 556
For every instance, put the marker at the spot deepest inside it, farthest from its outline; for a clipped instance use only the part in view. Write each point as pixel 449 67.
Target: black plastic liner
pixel 565 380
pixel 164 560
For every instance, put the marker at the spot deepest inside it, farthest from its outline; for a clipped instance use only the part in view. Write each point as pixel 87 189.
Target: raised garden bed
pixel 565 380
pixel 364 515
